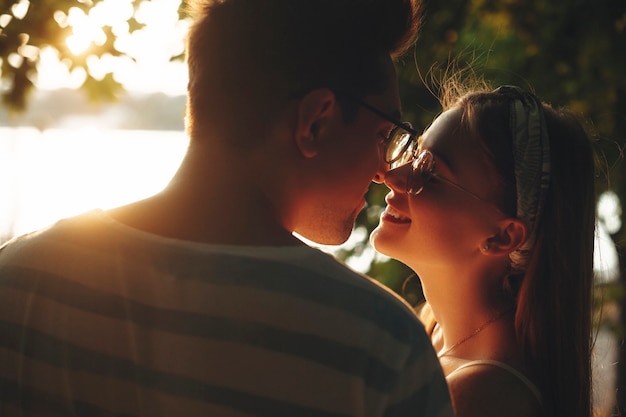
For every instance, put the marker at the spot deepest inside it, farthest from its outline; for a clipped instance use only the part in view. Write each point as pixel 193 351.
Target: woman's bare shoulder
pixel 488 391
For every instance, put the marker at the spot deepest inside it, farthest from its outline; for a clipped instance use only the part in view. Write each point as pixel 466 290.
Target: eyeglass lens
pixel 401 146
pixel 421 172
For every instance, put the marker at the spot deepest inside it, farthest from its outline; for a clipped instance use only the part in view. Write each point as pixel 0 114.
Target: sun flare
pixel 62 172
pixel 87 27
pixel 141 66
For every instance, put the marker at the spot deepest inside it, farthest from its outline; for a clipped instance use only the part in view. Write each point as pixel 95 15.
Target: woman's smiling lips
pixel 391 215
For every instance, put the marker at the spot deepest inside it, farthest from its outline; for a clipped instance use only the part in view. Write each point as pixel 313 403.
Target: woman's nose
pixel 396 178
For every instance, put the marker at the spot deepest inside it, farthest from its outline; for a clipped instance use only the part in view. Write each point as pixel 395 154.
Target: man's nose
pixel 383 166
pixel 381 172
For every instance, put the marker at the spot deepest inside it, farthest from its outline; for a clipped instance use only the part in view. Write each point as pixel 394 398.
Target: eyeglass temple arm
pixel 388 117
pixel 459 187
pixel 379 112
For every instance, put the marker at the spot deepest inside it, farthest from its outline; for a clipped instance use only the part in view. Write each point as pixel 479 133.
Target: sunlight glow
pixel 152 68
pixel 54 74
pixel 62 172
pixel 610 211
pixel 15 60
pixel 148 66
pixel 85 31
pixel 111 12
pixel 606 258
pixel 29 52
pixel 5 19
pixel 20 9
pixel 101 66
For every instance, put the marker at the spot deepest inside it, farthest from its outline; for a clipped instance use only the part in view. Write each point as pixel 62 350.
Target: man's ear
pixel 314 111
pixel 511 235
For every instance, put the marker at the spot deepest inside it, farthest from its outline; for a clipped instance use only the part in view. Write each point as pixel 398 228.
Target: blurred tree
pixel 27 28
pixel 571 52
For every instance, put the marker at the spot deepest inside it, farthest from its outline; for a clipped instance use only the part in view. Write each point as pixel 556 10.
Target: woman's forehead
pixel 442 128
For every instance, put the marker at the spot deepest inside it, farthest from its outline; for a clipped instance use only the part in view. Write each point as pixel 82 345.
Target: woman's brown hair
pixel 553 295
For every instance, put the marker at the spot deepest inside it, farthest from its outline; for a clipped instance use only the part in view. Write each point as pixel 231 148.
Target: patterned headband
pixel 531 151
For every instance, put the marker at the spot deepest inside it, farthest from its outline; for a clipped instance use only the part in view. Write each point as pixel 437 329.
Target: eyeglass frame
pixel 417 156
pixel 398 125
pixel 413 172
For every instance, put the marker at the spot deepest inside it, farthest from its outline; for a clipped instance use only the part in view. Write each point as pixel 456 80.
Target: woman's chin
pixel 381 241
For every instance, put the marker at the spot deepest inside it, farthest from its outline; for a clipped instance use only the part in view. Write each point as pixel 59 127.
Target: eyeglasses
pixel 423 171
pixel 401 144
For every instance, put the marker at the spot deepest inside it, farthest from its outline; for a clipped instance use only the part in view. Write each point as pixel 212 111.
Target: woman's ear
pixel 511 235
pixel 313 113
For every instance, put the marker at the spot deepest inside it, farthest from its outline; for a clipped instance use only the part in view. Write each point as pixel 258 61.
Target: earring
pixel 485 247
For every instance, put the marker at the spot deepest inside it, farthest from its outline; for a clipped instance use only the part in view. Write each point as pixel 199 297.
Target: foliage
pixel 573 53
pixel 26 29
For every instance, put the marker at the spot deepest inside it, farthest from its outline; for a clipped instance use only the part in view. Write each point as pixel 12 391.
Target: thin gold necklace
pixel 475 332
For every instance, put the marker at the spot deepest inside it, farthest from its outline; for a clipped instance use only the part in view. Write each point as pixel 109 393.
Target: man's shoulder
pixel 72 229
pixel 316 277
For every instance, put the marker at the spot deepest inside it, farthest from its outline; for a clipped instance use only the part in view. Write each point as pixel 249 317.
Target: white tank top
pixel 532 387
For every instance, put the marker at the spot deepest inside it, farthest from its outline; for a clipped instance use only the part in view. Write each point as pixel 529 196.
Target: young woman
pixel 494 209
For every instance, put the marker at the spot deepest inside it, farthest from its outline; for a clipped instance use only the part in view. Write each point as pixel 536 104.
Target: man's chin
pixel 324 237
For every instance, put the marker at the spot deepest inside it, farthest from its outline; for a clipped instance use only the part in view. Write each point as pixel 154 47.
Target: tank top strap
pixel 532 387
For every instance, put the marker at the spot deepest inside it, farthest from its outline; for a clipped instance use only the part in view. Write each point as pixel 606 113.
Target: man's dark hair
pixel 248 57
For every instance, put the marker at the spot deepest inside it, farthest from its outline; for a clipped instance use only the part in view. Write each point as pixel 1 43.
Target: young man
pixel 199 301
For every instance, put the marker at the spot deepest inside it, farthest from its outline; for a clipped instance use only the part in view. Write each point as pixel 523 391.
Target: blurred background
pixel 93 102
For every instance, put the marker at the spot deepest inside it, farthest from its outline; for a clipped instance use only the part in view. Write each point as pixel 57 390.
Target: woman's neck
pixel 464 306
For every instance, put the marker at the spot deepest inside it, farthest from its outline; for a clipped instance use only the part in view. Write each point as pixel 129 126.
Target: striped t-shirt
pixel 98 319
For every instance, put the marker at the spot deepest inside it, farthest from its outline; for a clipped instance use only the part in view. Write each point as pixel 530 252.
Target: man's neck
pixel 212 202
pixel 168 216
